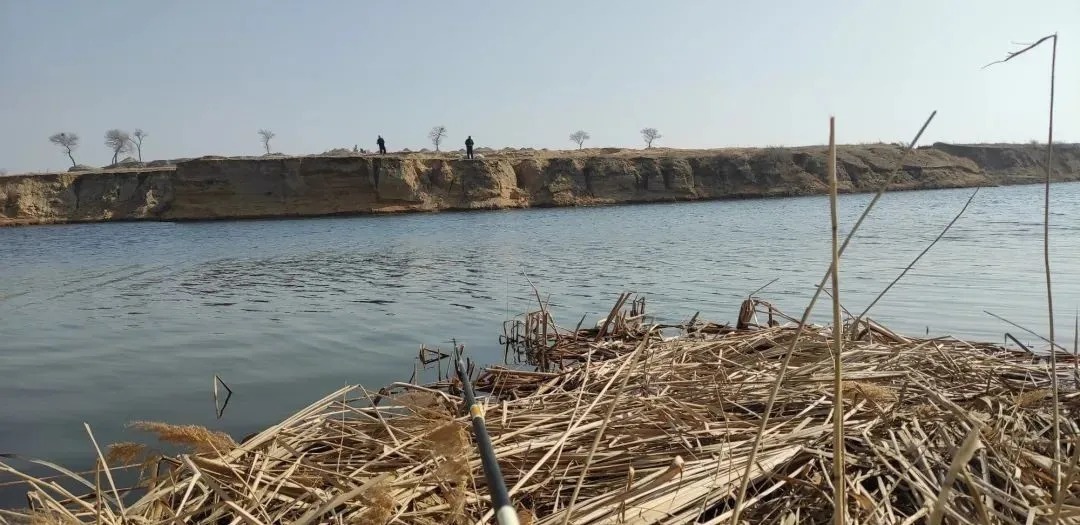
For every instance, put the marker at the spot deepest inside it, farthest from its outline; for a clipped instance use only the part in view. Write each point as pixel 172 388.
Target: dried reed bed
pixel 933 430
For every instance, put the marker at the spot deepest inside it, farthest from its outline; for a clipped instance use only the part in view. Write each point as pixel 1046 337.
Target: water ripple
pixel 111 322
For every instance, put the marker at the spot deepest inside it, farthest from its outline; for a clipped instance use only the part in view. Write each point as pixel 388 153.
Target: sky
pixel 201 77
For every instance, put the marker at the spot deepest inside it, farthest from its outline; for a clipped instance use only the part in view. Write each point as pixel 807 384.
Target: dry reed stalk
pixel 1046 242
pixel 917 257
pixel 603 426
pixel 102 464
pixel 1046 261
pixel 839 481
pixel 809 309
pixel 963 455
pixel 219 407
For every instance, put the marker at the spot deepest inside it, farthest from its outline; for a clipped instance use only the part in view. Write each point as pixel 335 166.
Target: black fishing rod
pixel 500 498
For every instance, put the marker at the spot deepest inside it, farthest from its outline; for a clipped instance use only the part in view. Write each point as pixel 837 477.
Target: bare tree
pixel 118 141
pixel 579 137
pixel 649 134
pixel 265 135
pixel 68 141
pixel 136 140
pixel 436 135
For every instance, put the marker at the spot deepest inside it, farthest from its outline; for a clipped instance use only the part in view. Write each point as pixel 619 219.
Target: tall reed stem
pixel 1046 250
pixel 839 483
pixel 1050 294
pixel 1049 289
pixel 771 401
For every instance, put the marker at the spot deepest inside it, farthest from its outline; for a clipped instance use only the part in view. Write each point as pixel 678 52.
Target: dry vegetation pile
pixel 620 424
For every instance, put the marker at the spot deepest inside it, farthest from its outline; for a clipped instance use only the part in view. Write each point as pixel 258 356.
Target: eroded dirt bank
pixel 219 188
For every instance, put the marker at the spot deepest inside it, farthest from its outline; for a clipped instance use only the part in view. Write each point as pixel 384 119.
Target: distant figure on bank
pixel 382 145
pixel 468 147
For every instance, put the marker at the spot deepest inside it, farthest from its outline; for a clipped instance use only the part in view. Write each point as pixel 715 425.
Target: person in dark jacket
pixel 382 145
pixel 468 147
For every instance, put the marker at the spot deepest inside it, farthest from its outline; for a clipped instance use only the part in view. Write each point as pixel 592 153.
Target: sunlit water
pixel 110 323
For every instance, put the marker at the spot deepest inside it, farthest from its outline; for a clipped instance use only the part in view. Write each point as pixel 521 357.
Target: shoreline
pixel 36 222
pixel 218 188
pixel 676 435
pixel 340 215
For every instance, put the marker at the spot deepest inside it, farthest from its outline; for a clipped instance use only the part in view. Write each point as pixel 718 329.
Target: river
pixel 115 322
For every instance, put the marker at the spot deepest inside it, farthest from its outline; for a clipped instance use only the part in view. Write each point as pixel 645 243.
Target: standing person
pixel 468 147
pixel 382 145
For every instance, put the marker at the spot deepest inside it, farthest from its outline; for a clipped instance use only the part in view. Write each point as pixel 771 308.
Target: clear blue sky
pixel 202 76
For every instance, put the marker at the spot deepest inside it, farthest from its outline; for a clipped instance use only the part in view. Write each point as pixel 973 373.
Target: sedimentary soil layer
pixel 277 186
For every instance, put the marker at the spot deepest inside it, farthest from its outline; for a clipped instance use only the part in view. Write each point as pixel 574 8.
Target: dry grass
pixel 124 453
pixel 1032 397
pixel 197 438
pixel 856 391
pixel 674 448
pixel 379 501
pixel 448 440
pixel 46 518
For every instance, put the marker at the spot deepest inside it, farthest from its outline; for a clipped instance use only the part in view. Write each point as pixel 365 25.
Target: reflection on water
pixel 111 323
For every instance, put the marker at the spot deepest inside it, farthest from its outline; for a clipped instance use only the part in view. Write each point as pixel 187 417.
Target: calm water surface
pixel 110 323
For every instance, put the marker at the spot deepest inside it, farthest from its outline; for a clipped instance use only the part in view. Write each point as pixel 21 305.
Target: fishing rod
pixel 500 498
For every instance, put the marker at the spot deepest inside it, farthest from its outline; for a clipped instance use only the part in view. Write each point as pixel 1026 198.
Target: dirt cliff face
pixel 1019 163
pixel 85 197
pixel 300 186
pixel 219 188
